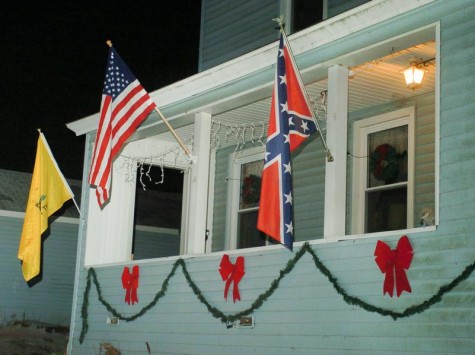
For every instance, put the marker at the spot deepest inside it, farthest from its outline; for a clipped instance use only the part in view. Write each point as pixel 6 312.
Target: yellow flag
pixel 48 192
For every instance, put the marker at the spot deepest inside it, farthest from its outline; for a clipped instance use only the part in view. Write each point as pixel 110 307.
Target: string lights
pixel 140 167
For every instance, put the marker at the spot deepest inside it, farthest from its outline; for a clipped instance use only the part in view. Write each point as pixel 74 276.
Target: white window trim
pixel 234 186
pixel 362 129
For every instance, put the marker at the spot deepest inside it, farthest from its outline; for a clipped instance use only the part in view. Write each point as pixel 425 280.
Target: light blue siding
pixel 304 313
pixel 49 299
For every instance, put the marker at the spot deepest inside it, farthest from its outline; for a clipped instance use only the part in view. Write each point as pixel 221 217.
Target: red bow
pixel 230 272
pixel 393 262
pixel 130 282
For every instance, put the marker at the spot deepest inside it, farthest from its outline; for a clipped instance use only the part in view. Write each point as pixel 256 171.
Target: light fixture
pixel 415 73
pixel 413 76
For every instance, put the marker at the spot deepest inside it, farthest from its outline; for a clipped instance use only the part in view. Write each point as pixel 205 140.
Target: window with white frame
pixel 244 181
pixel 383 184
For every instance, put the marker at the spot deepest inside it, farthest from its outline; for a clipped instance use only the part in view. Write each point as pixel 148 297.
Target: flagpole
pixel 280 21
pixel 170 128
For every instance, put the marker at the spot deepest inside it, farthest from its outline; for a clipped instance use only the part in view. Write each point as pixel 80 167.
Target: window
pixel 300 14
pixel 156 232
pixel 307 13
pixel 244 183
pixel 383 189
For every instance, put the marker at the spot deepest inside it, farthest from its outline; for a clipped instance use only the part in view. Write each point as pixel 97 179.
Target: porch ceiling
pixel 371 84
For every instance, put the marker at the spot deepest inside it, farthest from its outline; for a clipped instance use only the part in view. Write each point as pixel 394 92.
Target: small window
pixel 306 13
pixel 387 180
pixel 384 173
pixel 244 184
pixel 250 188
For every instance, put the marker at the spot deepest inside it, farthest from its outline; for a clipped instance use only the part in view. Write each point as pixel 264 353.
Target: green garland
pixel 231 318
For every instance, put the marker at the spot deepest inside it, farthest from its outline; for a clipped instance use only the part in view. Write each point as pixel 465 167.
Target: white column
pixel 198 196
pixel 335 172
pixel 110 230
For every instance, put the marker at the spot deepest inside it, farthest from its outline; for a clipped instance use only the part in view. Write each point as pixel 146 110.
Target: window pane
pixel 387 156
pixel 248 234
pixel 250 184
pixel 158 209
pixel 306 13
pixel 386 210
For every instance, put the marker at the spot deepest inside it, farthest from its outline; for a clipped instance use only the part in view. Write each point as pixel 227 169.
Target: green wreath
pixel 251 189
pixel 383 163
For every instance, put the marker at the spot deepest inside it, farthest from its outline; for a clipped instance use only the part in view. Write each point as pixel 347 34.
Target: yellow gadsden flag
pixel 48 192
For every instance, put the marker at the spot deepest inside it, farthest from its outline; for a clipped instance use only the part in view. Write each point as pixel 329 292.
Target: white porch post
pixel 335 172
pixel 197 212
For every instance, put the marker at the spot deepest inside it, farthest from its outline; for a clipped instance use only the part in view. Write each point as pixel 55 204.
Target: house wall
pixel 49 299
pixel 331 302
pixel 229 31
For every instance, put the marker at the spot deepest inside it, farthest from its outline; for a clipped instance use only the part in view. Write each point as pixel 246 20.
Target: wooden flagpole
pixel 170 128
pixel 280 21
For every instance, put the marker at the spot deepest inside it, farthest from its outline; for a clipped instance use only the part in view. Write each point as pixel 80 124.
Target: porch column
pixel 198 196
pixel 335 172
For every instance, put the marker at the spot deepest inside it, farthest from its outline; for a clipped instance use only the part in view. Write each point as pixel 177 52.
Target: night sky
pixel 53 58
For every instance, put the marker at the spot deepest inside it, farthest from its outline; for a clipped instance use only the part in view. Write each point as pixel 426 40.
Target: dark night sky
pixel 53 57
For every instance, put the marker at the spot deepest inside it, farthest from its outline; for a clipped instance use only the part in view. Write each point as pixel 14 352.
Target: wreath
pixel 251 189
pixel 383 163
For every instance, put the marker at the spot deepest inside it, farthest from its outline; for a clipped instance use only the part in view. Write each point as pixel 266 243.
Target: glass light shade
pixel 413 76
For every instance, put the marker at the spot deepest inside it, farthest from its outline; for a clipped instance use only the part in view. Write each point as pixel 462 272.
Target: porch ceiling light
pixel 414 75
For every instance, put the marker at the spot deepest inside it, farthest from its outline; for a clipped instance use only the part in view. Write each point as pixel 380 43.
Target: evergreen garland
pixel 231 318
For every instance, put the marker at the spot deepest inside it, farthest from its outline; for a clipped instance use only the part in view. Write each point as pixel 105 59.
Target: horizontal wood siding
pixel 306 314
pixel 228 31
pixel 220 199
pixel 308 176
pixel 49 299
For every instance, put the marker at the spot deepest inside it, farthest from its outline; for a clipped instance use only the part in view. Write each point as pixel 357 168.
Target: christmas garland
pixel 229 319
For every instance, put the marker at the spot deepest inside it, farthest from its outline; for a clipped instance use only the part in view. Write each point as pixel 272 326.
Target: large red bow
pixel 130 282
pixel 232 273
pixel 394 262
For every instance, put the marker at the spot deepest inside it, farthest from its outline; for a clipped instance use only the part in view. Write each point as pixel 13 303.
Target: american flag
pixel 125 105
pixel 290 123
